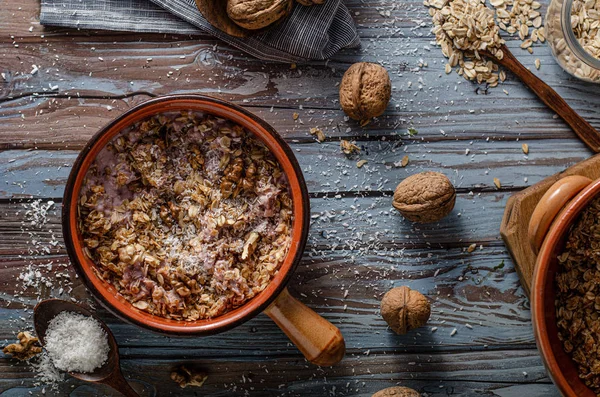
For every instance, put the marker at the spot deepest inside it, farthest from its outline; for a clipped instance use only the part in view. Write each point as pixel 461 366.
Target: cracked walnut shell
pixel 365 91
pixel 257 14
pixel 405 309
pixel 397 391
pixel 425 197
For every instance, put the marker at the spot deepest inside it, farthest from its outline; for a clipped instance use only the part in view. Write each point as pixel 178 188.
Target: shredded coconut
pixel 46 372
pixel 77 343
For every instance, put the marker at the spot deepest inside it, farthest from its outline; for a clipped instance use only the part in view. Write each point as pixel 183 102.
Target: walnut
pixel 425 197
pixel 404 309
pixel 397 391
pixel 249 179
pixel 365 91
pixel 232 176
pixel 257 14
pixel 27 347
pixel 185 376
pixel 250 245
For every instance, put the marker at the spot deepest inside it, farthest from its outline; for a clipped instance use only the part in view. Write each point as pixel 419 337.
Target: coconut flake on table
pixel 76 343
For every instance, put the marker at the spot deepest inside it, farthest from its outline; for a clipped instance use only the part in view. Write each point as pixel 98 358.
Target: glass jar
pixel 566 48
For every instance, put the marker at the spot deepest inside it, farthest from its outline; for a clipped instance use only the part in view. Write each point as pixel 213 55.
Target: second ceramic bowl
pixel 560 207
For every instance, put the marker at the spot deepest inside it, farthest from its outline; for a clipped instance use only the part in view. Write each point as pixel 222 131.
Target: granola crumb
pixel 349 148
pixel 578 296
pixel 318 133
pixel 187 215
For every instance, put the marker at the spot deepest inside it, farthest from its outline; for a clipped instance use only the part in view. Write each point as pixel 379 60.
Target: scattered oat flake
pixel 295 116
pixel 497 183
pixel 454 331
pixel 525 148
pixel 462 28
pixel 404 161
pixel 361 163
pixel 471 247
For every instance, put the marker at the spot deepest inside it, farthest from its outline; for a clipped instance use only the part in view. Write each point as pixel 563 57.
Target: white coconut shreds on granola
pixel 186 214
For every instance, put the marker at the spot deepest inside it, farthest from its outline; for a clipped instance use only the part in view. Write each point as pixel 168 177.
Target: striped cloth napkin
pixel 309 33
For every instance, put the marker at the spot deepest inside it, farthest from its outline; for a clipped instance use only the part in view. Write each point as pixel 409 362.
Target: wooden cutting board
pixel 518 211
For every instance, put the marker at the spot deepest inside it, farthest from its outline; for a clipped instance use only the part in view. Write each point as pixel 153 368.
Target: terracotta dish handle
pixel 320 341
pixel 550 205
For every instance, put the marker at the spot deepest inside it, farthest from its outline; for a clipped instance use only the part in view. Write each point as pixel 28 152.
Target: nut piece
pixel 349 148
pixel 257 14
pixel 425 197
pixel 397 391
pixel 318 133
pixel 365 91
pixel 188 377
pixel 26 348
pixel 404 309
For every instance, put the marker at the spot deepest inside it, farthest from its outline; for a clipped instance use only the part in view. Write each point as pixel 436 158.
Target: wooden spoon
pixel 588 134
pixel 110 373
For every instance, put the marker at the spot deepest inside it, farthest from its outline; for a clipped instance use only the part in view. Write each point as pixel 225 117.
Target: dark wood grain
pixel 464 374
pixel 374 225
pixel 41 173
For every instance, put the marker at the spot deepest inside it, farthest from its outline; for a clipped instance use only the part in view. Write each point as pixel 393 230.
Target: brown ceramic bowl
pixel 106 293
pixel 559 364
pixel 282 304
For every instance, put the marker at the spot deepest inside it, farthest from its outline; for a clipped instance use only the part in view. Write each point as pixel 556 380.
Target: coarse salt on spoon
pixel 588 134
pixel 110 372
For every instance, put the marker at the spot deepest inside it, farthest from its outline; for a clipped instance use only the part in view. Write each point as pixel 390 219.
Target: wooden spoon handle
pixel 588 134
pixel 117 381
pixel 320 341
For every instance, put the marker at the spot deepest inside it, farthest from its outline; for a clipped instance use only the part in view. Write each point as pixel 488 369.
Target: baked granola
pixel 578 296
pixel 187 215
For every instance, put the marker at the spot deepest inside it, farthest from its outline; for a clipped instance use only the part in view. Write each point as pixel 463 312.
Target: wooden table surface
pixel 359 247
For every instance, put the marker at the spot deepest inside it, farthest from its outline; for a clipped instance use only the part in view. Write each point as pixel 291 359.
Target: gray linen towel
pixel 309 33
